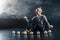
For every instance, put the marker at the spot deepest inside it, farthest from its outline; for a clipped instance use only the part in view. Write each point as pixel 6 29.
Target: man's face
pixel 38 12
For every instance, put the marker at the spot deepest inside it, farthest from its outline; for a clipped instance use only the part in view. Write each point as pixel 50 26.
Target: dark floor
pixel 6 34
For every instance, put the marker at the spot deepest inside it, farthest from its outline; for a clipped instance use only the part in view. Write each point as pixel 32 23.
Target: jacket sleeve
pixel 46 21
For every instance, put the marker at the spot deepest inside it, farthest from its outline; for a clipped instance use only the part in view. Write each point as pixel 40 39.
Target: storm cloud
pixel 21 8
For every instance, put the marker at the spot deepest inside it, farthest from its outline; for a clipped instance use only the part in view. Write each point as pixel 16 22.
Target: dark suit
pixel 40 23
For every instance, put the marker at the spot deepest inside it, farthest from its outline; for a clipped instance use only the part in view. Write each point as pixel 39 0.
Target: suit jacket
pixel 40 22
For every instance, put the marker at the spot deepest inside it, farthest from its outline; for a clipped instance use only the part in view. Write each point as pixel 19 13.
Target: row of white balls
pixel 18 32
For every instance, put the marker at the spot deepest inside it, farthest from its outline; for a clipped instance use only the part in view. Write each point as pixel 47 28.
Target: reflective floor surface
pixel 16 34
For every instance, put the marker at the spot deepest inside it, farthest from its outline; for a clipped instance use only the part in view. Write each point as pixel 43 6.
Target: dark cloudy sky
pixel 22 8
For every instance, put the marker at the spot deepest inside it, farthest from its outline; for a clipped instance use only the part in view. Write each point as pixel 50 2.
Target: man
pixel 40 22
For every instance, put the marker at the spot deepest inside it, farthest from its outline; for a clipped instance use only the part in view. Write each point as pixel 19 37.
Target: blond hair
pixel 40 9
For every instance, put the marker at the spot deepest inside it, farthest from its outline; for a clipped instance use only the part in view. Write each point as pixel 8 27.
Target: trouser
pixel 41 29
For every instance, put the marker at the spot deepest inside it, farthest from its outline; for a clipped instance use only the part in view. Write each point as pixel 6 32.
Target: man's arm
pixel 49 26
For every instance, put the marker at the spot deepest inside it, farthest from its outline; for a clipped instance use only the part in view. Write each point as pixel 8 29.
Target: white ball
pixel 49 30
pixel 51 26
pixel 25 17
pixel 13 32
pixel 31 32
pixel 24 32
pixel 38 32
pixel 18 32
pixel 45 32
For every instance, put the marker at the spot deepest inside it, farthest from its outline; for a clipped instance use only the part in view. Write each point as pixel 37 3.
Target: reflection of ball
pixel 31 32
pixel 18 32
pixel 45 32
pixel 13 31
pixel 49 30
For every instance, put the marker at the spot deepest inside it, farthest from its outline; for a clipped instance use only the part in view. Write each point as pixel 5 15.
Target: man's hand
pixel 28 30
pixel 51 26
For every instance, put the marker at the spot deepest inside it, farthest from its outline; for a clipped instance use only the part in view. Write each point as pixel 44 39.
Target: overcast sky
pixel 21 8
